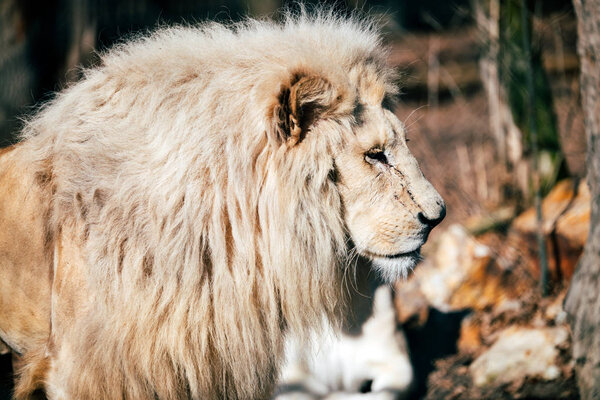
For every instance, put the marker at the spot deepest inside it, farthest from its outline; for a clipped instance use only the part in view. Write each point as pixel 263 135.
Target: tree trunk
pixel 509 147
pixel 583 300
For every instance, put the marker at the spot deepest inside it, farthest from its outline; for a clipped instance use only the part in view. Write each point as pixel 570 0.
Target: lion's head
pixel 388 207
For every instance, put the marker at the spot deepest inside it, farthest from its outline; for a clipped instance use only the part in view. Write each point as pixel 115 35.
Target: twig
pixel 534 147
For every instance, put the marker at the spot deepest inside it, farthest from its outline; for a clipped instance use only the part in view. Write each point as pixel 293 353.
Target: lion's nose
pixel 432 222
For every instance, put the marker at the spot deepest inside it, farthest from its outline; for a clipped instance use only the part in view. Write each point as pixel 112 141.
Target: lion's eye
pixel 376 156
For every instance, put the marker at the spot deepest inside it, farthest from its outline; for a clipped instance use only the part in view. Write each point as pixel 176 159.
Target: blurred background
pixel 490 98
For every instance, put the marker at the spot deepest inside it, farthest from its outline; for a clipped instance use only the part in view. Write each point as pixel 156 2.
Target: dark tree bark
pixel 583 300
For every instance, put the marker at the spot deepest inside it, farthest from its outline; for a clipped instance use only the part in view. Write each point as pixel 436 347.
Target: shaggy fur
pixel 195 211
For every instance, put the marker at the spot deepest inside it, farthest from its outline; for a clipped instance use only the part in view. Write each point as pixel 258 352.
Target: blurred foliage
pixel 514 65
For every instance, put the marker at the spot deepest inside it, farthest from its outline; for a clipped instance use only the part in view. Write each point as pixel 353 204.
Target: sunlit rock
pixel 519 353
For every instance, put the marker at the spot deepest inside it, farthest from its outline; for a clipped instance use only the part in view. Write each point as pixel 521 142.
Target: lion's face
pixel 389 206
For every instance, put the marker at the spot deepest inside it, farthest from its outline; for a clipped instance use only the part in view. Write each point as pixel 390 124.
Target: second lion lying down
pixel 167 219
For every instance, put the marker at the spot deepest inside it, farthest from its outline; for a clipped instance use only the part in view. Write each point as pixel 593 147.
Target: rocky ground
pixel 504 340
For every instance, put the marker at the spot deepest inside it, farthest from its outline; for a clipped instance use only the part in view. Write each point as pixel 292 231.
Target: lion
pixel 169 218
pixel 366 357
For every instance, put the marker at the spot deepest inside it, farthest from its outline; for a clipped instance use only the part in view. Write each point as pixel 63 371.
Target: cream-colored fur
pixel 197 194
pixel 369 349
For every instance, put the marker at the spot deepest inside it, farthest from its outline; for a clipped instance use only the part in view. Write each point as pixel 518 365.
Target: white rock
pixel 453 261
pixel 520 352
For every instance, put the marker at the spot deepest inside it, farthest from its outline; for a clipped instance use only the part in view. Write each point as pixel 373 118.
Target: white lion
pixel 169 217
pixel 368 360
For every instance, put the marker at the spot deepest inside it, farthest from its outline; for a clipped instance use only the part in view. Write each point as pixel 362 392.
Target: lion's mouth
pixel 395 266
pixel 410 254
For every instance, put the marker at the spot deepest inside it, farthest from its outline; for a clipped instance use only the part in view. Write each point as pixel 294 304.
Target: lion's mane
pixel 205 237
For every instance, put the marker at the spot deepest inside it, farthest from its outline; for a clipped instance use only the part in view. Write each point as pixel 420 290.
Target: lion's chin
pixel 393 268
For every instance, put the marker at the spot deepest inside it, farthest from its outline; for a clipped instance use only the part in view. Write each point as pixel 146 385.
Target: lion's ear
pixel 300 105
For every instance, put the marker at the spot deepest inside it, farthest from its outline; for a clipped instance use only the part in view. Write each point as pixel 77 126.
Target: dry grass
pixel 446 113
